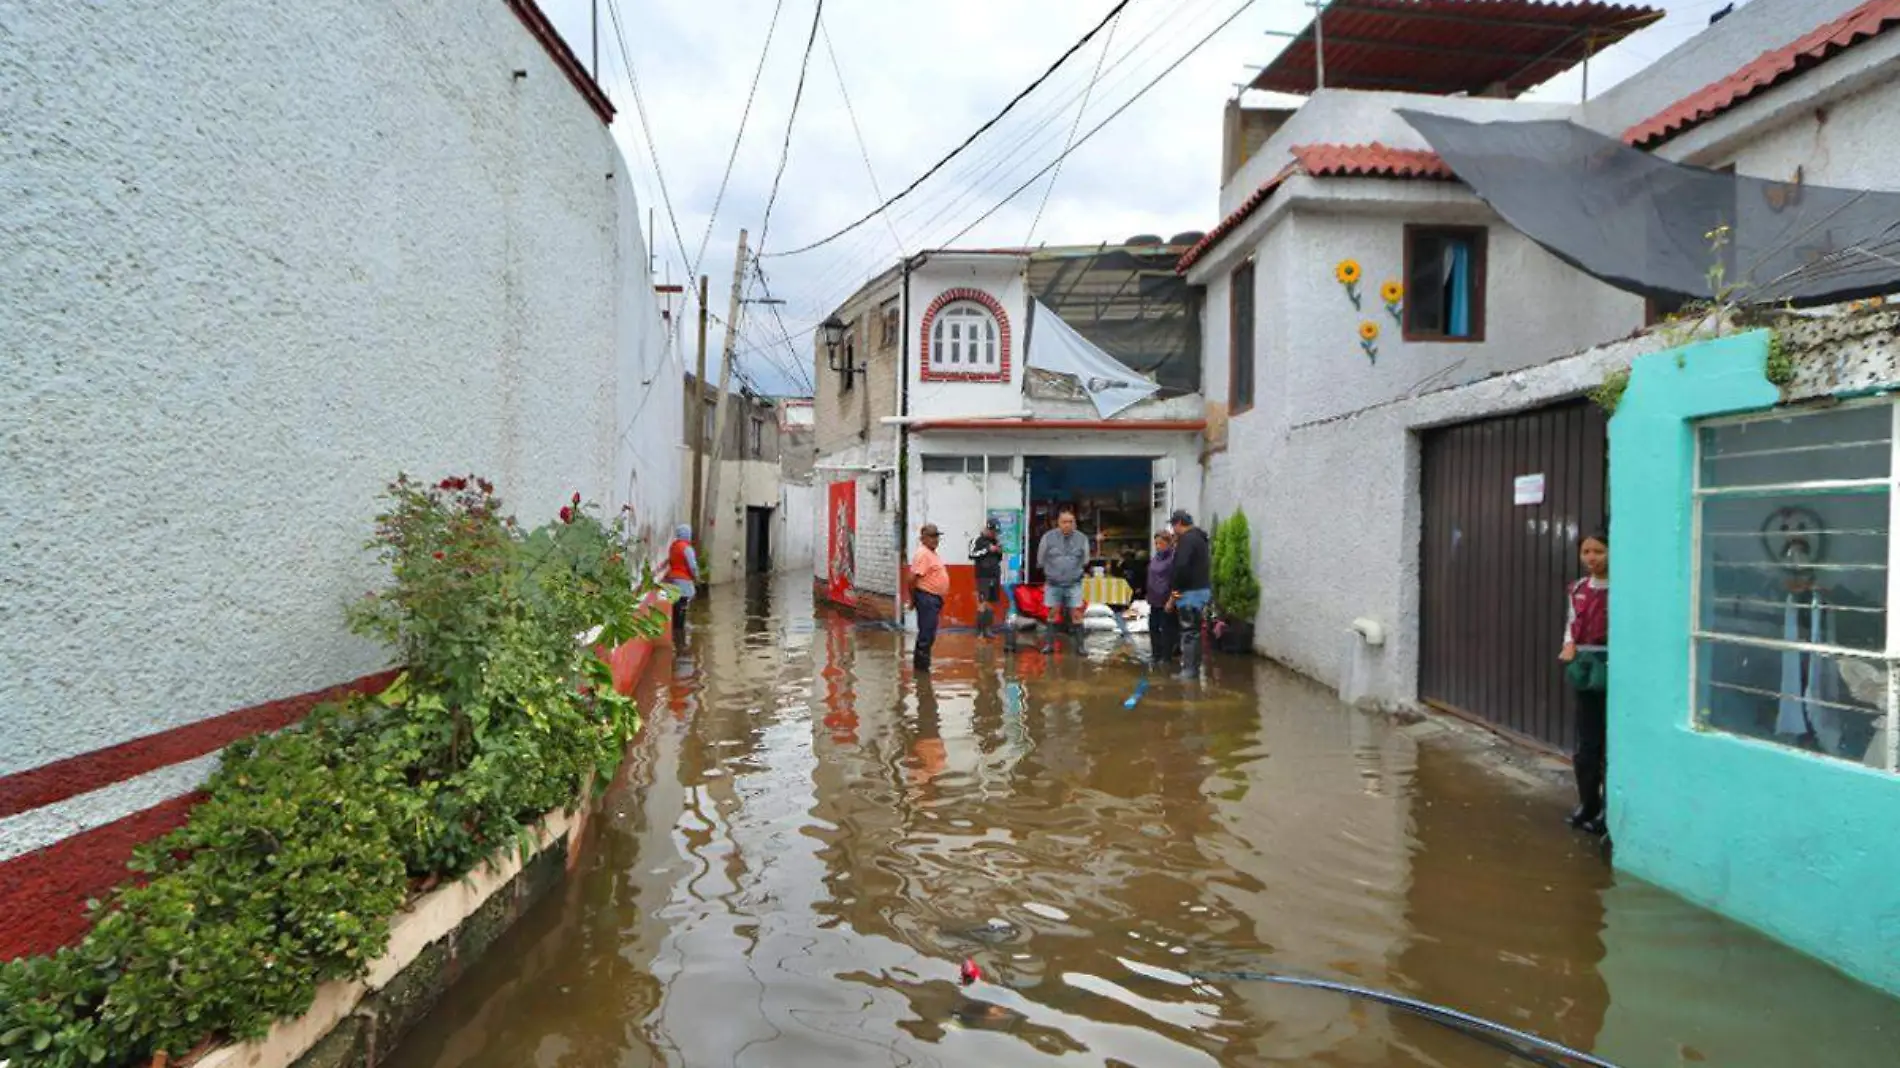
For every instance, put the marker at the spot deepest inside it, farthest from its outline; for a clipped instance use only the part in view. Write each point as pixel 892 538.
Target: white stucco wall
pixel 1002 278
pixel 1535 306
pixel 1840 124
pixel 244 286
pixel 1342 504
pixel 1356 117
pixel 1711 54
pixel 798 512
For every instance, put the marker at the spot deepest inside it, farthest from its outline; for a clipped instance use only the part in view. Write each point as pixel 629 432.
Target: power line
pixel 744 117
pixel 994 119
pixel 1112 116
pixel 1107 43
pixel 785 150
pixel 858 132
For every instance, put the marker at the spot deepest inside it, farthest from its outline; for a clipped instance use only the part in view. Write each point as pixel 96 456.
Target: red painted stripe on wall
pixel 43 894
pixel 30 789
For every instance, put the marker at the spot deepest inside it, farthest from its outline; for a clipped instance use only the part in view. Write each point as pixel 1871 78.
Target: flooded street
pixel 806 844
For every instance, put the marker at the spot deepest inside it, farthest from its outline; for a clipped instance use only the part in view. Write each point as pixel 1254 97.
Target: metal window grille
pixel 1793 575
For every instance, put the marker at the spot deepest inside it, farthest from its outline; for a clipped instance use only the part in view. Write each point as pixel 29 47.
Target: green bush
pixel 285 878
pixel 1236 591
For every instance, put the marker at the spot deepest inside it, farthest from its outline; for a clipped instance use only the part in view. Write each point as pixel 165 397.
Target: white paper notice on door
pixel 1528 489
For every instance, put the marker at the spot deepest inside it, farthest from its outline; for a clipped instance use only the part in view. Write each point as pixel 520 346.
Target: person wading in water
pixel 1587 653
pixel 682 571
pixel 1193 588
pixel 986 553
pixel 1063 554
pixel 929 584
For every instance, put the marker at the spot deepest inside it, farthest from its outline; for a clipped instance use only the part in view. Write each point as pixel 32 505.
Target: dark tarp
pixel 1643 224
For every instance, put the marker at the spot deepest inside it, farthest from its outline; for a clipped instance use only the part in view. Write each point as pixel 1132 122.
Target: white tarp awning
pixel 1054 346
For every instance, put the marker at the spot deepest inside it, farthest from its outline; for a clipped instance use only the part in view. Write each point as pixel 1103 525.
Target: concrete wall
pixel 742 484
pixel 1786 841
pixel 846 419
pixel 247 285
pixel 1839 125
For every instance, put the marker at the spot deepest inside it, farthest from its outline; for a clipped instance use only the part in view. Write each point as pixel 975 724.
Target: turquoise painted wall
pixel 1801 847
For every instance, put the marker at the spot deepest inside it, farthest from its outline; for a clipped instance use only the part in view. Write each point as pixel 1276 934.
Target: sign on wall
pixel 842 552
pixel 1009 529
pixel 1528 489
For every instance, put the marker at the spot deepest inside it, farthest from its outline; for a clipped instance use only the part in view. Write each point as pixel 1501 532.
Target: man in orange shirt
pixel 929 583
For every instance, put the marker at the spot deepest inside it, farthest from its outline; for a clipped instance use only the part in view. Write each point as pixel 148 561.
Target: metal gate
pixel 1505 502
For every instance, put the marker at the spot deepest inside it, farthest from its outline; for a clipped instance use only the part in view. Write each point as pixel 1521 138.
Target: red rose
pixel 487 487
pixel 567 515
pixel 577 500
pixel 438 556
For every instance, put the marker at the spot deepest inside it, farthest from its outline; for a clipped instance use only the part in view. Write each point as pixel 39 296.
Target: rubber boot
pixel 679 622
pixel 1588 815
pixel 984 617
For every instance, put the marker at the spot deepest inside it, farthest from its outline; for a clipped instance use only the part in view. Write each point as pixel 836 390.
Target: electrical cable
pixel 745 116
pixel 1459 1021
pixel 1112 116
pixel 1107 43
pixel 993 120
pixel 858 132
pixel 646 129
pixel 785 150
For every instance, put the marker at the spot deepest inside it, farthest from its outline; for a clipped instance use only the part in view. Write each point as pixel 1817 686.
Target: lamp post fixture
pixel 834 328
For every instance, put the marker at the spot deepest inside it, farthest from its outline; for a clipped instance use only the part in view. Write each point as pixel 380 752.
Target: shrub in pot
pixel 1236 590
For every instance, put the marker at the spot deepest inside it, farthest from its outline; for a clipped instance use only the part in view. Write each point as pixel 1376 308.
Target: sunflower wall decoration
pixel 1348 273
pixel 1369 339
pixel 1393 293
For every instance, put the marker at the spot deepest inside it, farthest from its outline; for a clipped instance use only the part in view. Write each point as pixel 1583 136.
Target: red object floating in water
pixel 970 973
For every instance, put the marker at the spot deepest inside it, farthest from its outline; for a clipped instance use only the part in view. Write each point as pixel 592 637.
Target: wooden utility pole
pixel 709 520
pixel 699 413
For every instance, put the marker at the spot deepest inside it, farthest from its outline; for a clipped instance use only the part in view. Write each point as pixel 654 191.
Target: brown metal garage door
pixel 1494 570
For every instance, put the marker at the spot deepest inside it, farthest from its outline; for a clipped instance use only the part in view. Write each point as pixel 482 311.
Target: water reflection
pixel 807 842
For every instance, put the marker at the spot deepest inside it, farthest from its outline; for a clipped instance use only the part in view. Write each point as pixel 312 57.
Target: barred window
pixel 1793 563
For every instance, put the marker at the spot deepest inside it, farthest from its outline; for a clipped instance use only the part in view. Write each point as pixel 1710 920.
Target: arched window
pixel 965 339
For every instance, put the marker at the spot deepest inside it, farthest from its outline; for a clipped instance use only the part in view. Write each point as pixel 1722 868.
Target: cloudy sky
pixel 918 76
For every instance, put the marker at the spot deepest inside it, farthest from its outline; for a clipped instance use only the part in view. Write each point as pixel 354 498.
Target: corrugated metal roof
pixel 1326 161
pixel 1449 46
pixel 1765 71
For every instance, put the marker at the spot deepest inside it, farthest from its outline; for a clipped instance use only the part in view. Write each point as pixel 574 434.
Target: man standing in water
pixel 1193 587
pixel 986 553
pixel 929 584
pixel 1063 554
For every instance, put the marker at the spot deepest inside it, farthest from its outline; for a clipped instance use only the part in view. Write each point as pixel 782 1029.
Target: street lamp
pixel 834 329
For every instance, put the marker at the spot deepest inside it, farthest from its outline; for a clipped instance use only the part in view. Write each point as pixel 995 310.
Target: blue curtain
pixel 1458 286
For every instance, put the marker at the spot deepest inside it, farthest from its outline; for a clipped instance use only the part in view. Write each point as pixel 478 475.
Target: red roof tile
pixel 1449 46
pixel 1765 71
pixel 1325 161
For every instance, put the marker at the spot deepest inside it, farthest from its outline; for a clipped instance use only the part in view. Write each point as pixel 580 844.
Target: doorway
pixel 1113 500
pixel 758 540
pixel 1506 501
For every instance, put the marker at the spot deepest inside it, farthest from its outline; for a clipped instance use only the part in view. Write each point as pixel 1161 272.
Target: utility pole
pixel 699 413
pixel 722 414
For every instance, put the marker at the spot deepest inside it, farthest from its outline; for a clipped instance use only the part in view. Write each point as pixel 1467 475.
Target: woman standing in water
pixel 1587 652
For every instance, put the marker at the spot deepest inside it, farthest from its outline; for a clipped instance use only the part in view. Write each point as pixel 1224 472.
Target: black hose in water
pixel 1474 1026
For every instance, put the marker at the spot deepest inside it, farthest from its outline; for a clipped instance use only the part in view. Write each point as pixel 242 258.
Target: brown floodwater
pixel 807 843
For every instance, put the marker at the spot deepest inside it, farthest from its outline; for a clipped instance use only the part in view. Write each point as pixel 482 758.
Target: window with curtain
pixel 1793 552
pixel 964 338
pixel 1240 368
pixel 1444 283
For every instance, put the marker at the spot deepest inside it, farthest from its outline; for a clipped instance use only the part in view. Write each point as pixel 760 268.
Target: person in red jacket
pixel 682 571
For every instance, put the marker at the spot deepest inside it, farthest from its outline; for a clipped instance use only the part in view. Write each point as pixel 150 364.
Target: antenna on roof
pixel 1319 44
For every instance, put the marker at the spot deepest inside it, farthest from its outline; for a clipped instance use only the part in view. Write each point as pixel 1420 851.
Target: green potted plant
pixel 1236 590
